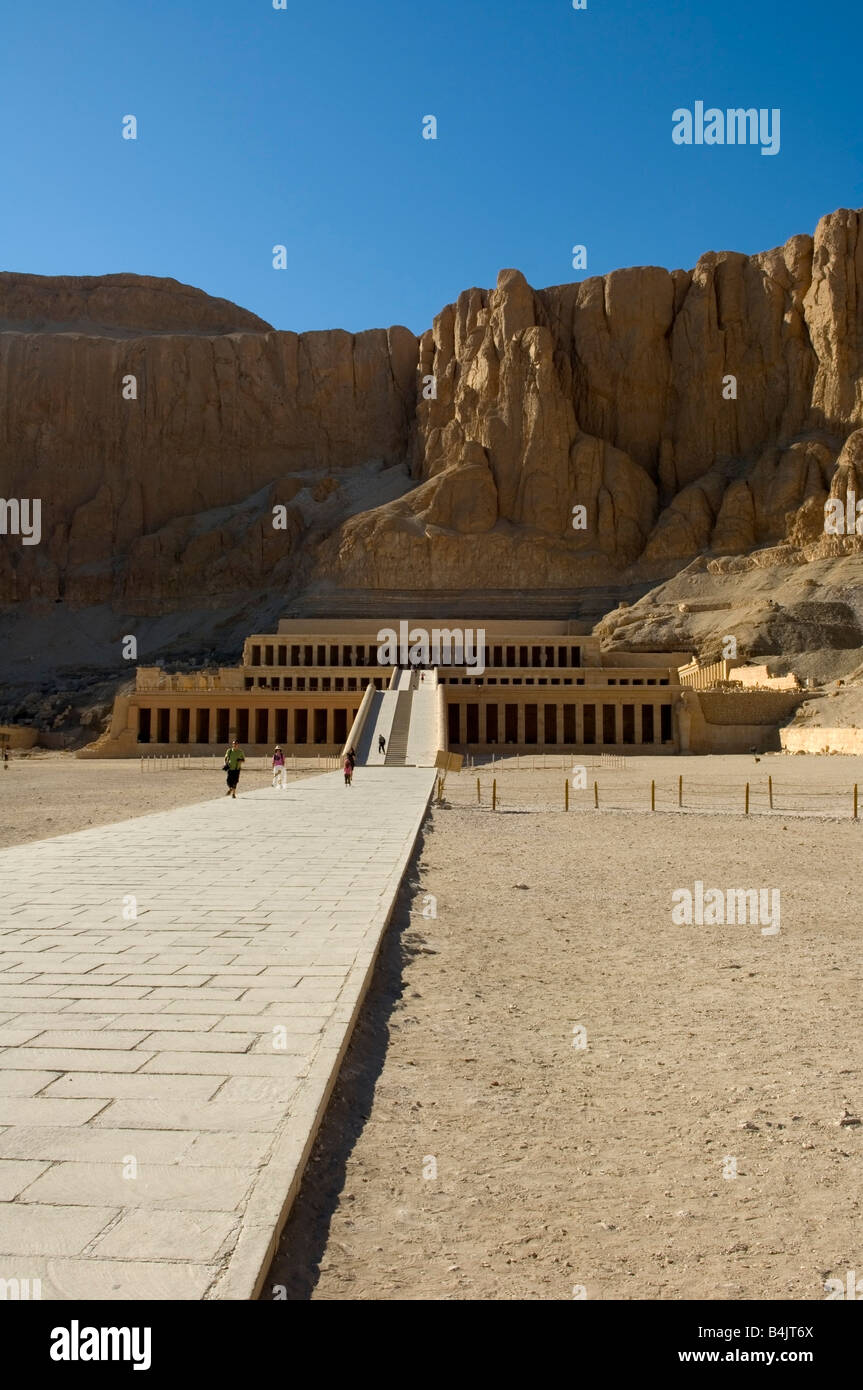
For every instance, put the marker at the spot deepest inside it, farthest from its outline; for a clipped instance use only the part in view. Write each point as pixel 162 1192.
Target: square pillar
pixel 579 723
pixel 618 724
pixel 520 725
pixel 172 723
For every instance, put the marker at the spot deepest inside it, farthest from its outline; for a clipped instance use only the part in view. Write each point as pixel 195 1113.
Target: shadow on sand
pixel 296 1265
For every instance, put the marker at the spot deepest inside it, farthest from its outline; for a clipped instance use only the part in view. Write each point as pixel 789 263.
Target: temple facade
pixel 514 686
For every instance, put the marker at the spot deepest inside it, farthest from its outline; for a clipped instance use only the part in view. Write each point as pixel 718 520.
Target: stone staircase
pixel 397 745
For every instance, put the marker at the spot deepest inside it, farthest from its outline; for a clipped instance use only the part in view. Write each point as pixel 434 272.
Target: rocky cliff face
pixel 697 412
pixel 692 411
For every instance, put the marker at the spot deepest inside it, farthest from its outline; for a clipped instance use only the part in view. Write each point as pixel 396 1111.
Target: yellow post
pixel 596 795
pixel 652 795
pixel 770 791
pixel 566 795
pixel 478 797
pixel 855 800
pixel 747 799
pixel 494 794
pixel 680 790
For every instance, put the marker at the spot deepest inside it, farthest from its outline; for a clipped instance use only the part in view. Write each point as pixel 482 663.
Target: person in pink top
pixel 349 771
pixel 279 774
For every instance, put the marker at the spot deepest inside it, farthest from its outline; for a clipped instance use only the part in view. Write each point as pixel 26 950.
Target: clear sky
pixel 303 127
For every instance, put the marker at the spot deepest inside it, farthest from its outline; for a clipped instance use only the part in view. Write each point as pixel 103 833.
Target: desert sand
pixel 710 1051
pixel 45 794
pixel 705 1141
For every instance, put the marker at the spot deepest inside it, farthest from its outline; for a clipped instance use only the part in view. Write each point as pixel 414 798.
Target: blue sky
pixel 303 127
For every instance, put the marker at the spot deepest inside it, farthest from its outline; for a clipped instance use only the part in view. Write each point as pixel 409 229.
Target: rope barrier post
pixel 494 794
pixel 566 795
pixel 746 812
pixel 478 797
pixel 652 795
pixel 770 791
pixel 855 800
pixel 596 796
pixel 680 790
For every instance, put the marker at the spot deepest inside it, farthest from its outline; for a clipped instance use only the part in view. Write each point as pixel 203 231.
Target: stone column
pixel 618 723
pixel 172 723
pixel 520 724
pixel 657 723
pixel 579 722
pixel 637 717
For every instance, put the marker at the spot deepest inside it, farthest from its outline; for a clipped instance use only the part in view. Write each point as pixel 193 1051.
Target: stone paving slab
pixel 176 996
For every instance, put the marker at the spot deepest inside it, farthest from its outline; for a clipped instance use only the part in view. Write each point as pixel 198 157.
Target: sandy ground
pixel 472 1152
pixel 47 794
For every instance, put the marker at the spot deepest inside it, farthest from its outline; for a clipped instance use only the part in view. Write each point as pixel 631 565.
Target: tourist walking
pixel 352 757
pixel 234 759
pixel 349 772
pixel 279 773
pixel 382 744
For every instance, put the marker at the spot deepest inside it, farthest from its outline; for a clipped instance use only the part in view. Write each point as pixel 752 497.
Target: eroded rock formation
pixel 614 395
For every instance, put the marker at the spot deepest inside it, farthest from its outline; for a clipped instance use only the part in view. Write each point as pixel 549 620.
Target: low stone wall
pixel 18 735
pixel 759 677
pixel 748 706
pixel 822 741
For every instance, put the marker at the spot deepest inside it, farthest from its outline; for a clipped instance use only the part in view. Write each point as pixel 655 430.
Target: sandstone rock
pixel 612 395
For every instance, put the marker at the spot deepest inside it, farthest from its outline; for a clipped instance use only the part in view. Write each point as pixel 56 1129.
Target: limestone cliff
pixel 450 462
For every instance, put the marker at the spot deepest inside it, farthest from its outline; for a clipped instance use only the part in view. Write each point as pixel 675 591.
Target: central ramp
pixel 176 996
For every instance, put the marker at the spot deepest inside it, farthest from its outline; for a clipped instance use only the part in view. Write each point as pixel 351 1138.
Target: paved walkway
pixel 162 1078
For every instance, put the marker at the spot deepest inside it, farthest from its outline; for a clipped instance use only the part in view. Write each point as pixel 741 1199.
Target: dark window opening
pixel 569 723
pixel 589 724
pixel 472 723
pixel 491 724
pixel 609 734
pixel 647 724
pixel 453 723
pixel 665 723
pixel 511 723
pixel 530 723
pixel 628 734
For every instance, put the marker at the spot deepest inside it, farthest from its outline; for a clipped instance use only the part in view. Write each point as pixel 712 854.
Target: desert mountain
pixel 698 417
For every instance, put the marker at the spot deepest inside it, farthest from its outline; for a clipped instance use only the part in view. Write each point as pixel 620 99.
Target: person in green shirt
pixel 234 759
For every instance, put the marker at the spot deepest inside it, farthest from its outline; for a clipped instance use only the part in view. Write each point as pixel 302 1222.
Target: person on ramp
pixel 349 772
pixel 234 759
pixel 382 744
pixel 279 777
